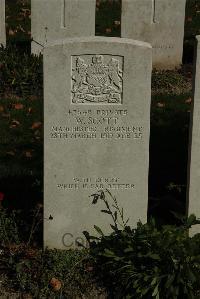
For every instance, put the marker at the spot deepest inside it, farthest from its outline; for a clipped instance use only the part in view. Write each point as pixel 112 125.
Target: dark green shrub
pixel 20 73
pixel 147 262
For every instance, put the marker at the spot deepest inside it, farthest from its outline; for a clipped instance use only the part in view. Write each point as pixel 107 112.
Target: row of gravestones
pixel 159 22
pixel 97 94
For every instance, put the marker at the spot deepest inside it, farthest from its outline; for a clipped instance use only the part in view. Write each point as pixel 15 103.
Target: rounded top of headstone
pixel 99 39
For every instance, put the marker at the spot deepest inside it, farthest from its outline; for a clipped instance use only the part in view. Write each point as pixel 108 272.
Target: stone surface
pixel 194 160
pixel 97 113
pixel 2 23
pixel 160 22
pixel 58 19
pixel 136 19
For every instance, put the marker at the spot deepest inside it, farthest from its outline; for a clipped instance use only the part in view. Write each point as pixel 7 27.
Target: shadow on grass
pixel 170 117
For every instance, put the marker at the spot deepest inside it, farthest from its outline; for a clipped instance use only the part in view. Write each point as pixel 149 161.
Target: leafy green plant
pixel 146 261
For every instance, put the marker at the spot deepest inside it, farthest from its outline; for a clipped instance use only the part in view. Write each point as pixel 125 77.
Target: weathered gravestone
pixel 2 23
pixel 159 22
pixel 58 19
pixel 194 161
pixel 97 113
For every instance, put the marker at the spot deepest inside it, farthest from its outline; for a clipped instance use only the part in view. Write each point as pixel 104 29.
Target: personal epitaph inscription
pixel 97 95
pixel 97 79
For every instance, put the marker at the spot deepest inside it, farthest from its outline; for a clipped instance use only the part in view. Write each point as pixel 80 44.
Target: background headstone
pixel 58 19
pixel 194 161
pixel 2 23
pixel 97 116
pixel 160 22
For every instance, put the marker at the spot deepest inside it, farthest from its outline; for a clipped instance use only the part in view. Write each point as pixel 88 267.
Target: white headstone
pixel 136 19
pixel 59 19
pixel 2 23
pixel 194 161
pixel 160 22
pixel 96 125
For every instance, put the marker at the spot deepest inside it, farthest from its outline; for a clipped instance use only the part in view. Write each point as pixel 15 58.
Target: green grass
pixel 177 82
pixel 108 18
pixel 30 271
pixel 173 105
pixel 21 142
pixel 170 120
pixel 27 269
pixel 18 20
pixel 192 20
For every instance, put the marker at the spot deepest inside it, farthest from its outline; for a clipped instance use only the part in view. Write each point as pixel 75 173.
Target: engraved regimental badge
pixel 97 79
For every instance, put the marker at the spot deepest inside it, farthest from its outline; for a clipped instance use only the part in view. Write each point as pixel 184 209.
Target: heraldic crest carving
pixel 96 81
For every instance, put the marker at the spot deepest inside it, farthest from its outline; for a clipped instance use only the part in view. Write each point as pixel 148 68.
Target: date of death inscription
pixel 97 124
